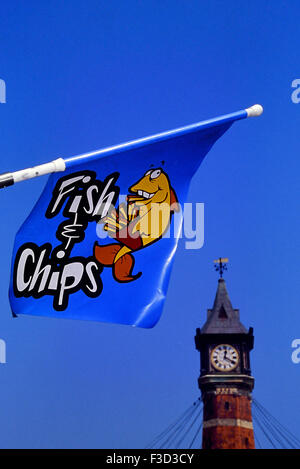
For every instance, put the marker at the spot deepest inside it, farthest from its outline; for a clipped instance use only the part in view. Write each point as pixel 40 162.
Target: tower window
pixel 222 313
pixel 227 405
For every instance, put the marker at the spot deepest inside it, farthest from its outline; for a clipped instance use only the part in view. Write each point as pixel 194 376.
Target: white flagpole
pixel 8 179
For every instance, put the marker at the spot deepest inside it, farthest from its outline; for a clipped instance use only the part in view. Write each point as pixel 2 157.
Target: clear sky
pixel 81 75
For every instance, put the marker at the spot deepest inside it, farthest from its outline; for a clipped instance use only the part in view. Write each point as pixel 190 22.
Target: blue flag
pixel 97 245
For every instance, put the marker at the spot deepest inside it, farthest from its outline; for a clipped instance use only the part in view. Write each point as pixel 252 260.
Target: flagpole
pixel 61 164
pixel 8 179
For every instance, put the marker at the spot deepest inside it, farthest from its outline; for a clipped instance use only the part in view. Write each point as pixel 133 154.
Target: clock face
pixel 224 357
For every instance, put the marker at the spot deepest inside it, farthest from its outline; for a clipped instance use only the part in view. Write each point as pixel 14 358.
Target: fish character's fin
pixel 124 250
pixel 117 257
pixel 106 254
pixel 174 205
pixel 123 267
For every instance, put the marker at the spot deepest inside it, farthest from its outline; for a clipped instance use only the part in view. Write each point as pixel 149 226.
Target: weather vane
pixel 221 265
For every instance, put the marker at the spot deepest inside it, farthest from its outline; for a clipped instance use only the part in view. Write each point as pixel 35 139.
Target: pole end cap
pixel 255 111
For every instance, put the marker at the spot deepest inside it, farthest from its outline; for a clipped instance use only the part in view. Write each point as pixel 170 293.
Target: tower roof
pixel 223 318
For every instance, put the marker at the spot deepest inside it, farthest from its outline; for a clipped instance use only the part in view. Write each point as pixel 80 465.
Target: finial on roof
pixel 221 265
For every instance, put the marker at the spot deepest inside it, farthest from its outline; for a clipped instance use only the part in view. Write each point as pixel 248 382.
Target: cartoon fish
pixel 142 221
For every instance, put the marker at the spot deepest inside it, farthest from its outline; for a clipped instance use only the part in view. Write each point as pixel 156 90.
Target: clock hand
pixel 229 360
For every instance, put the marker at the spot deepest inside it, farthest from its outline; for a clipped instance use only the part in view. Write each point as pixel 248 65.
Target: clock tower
pixel 225 377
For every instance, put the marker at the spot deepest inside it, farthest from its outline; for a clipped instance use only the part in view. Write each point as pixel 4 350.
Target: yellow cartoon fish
pixel 142 221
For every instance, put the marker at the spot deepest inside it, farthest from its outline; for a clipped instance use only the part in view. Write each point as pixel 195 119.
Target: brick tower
pixel 225 378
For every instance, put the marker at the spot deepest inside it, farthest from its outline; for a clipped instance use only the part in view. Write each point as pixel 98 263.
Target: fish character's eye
pixel 148 172
pixel 154 174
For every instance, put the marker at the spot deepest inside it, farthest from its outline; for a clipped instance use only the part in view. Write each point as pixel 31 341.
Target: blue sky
pixel 81 75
